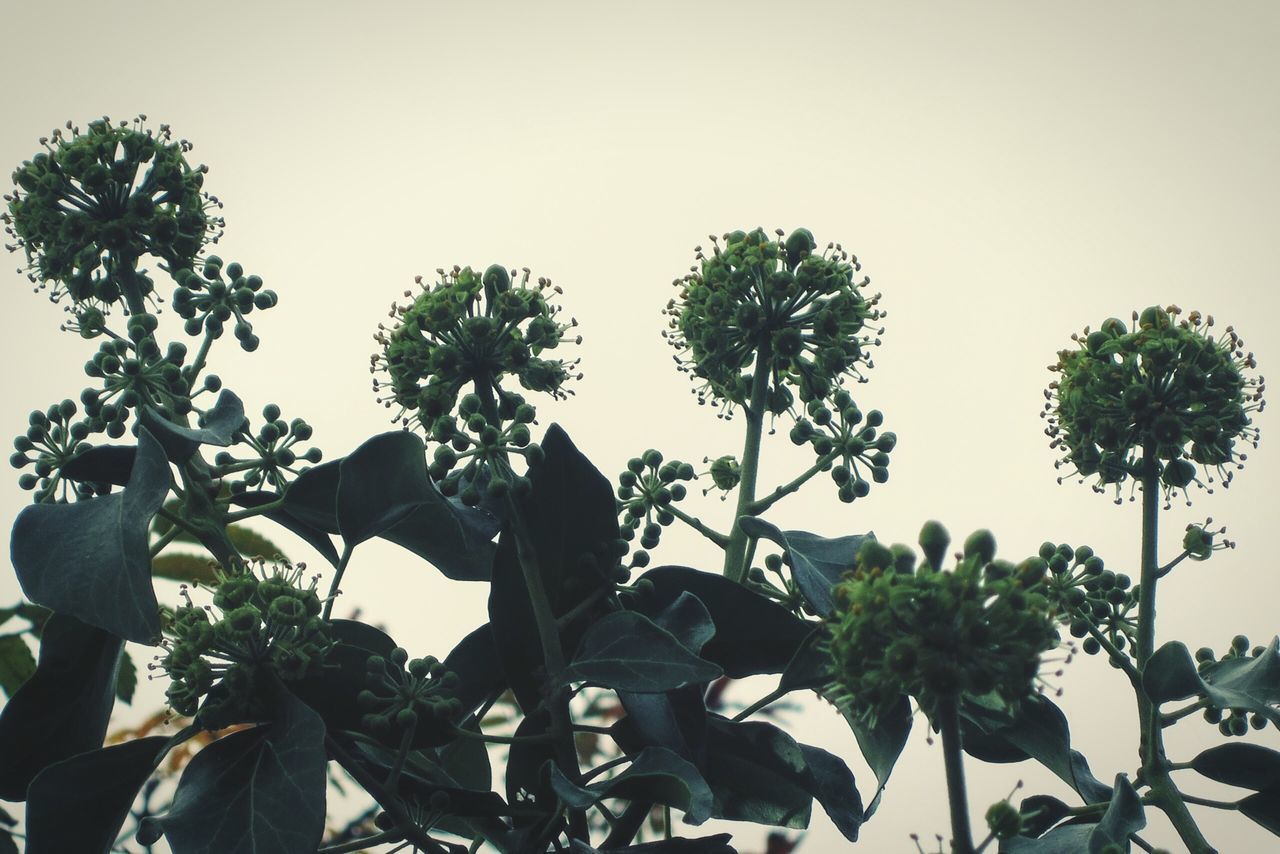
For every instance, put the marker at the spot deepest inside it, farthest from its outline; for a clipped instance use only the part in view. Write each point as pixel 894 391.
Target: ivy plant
pixel 594 679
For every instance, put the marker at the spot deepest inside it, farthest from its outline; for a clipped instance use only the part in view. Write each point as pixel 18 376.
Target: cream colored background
pixel 1008 173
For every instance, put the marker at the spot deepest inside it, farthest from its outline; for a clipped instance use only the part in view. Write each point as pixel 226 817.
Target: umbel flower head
pixel 269 627
pixel 936 635
pixel 94 202
pixel 757 297
pixel 469 331
pixel 1170 394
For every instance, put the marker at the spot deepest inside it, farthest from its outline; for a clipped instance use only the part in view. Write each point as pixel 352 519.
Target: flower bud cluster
pixel 402 692
pixel 758 295
pixel 841 440
pixel 1087 595
pixel 936 635
pixel 93 202
pixel 647 491
pixel 470 330
pixel 1231 722
pixel 214 297
pixel 275 453
pixel 472 459
pixel 52 440
pixel 135 373
pixel 267 624
pixel 1171 395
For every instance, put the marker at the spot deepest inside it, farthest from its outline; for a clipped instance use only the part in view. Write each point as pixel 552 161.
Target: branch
pixel 755 508
pixel 697 524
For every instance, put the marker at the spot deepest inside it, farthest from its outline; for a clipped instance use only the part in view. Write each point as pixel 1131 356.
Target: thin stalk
pixel 475 735
pixel 168 537
pixel 948 720
pixel 735 557
pixel 337 580
pixel 1155 767
pixel 698 525
pixel 758 507
pixel 363 844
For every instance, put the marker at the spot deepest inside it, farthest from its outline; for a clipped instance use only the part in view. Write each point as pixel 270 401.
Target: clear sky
pixel 1008 172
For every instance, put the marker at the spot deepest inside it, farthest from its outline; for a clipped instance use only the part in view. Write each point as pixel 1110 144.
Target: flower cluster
pixel 210 299
pixel 470 330
pixel 757 303
pixel 842 440
pixel 1087 595
pixel 89 206
pixel 55 441
pixel 484 449
pixel 274 452
pixel 1170 395
pixel 401 693
pixel 134 373
pixel 646 492
pixel 935 635
pixel 1231 722
pixel 269 627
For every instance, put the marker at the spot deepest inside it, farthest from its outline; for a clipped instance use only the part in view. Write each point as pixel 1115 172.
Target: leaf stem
pixel 948 720
pixel 763 504
pixel 735 557
pixel 337 579
pixel 250 512
pixel 363 844
pixel 698 525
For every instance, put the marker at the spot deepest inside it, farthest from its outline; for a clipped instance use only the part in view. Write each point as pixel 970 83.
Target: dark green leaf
pixel 379 484
pixel 475 660
pixel 753 634
pixel 757 773
pixel 881 742
pixel 1123 818
pixel 629 652
pixel 526 782
pixel 570 794
pixel 810 667
pixel 718 844
pixel 834 788
pixel 64 708
pixel 676 720
pixel 1068 839
pixel 817 563
pixel 313 497
pixel 1251 683
pixel 1041 812
pixel 255 790
pixel 16 663
pixel 688 621
pixel 466 760
pixel 455 540
pixel 1170 674
pixel 1264 808
pixel 91 559
pixel 423 777
pixel 662 777
pixel 126 679
pixel 103 464
pixel 313 536
pixel 1249 766
pixel 80 804
pixel 572 529
pixel 220 424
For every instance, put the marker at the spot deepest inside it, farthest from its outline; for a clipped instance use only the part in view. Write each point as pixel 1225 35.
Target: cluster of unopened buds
pixel 847 443
pixel 216 296
pixel 1090 598
pixel 1231 722
pixel 647 491
pixel 402 692
pixel 275 453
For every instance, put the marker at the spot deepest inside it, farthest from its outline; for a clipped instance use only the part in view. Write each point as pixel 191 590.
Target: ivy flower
pixel 1171 395
pixel 979 629
pixel 94 202
pixel 758 303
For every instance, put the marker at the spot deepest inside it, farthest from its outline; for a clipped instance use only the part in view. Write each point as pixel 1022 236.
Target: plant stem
pixel 735 557
pixel 948 720
pixel 783 491
pixel 1155 767
pixel 337 579
pixel 363 844
pixel 697 524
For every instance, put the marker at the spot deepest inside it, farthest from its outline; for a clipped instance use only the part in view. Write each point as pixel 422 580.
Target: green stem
pixel 735 557
pixel 249 513
pixel 397 768
pixel 337 580
pixel 168 537
pixel 197 365
pixel 758 507
pixel 697 524
pixel 1155 767
pixel 363 844
pixel 776 694
pixel 475 735
pixel 948 720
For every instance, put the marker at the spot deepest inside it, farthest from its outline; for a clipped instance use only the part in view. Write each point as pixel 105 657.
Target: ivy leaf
pixel 817 563
pixel 1041 812
pixel 810 667
pixel 80 804
pixel 218 426
pixel 379 484
pixel 126 679
pixel 881 742
pixel 833 787
pixel 688 621
pixel 475 660
pixel 757 773
pixel 1264 808
pixel 64 708
pixel 91 559
pixel 332 691
pixel 1067 839
pixel 676 720
pixel 1251 683
pixel 16 663
pixel 753 634
pixel 1123 818
pixel 1249 766
pixel 629 652
pixel 525 783
pixel 1170 674
pixel 312 498
pixel 655 775
pixel 261 789
pixel 315 537
pixel 103 464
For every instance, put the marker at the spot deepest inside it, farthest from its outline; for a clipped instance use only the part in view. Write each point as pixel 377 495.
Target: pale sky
pixel 1007 172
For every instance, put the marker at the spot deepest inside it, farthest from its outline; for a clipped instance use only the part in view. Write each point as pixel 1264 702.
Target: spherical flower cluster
pixel 86 209
pixel 51 442
pixel 647 493
pixel 134 373
pixel 209 300
pixel 772 304
pixel 269 627
pixel 404 693
pixel 1089 598
pixel 468 332
pixel 472 461
pixel 1169 395
pixel 936 635
pixel 1231 722
pixel 275 452
pixel 842 440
